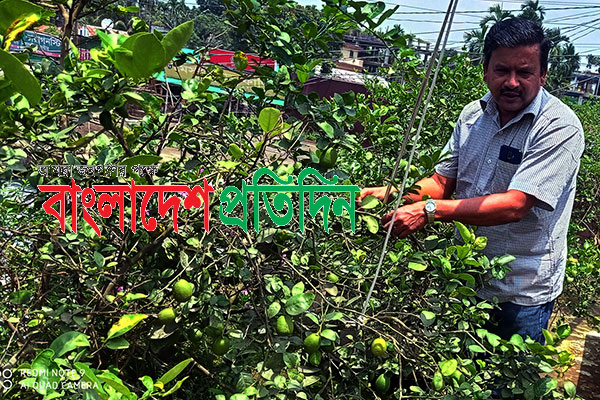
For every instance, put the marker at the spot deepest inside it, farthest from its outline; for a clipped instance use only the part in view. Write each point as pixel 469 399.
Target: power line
pixel 573 16
pixel 429 22
pixel 433 11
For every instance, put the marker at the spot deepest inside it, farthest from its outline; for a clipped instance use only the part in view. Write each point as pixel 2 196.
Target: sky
pixel 580 20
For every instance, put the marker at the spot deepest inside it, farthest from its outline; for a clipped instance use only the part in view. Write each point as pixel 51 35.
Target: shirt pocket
pixel 503 174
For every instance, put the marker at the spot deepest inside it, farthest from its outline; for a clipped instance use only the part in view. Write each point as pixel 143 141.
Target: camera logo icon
pixel 5 379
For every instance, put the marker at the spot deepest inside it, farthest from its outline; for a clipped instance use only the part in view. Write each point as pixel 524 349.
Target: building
pixel 584 86
pixel 349 60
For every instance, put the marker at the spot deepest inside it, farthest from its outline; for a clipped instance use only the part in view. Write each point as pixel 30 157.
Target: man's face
pixel 514 78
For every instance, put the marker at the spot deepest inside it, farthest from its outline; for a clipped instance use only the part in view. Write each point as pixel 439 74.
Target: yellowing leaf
pixel 417 266
pixel 125 324
pixel 448 367
pixel 17 27
pixel 372 224
pixel 14 10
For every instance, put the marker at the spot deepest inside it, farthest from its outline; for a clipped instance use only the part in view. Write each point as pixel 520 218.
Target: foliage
pixel 593 61
pixel 89 304
pixel 563 60
pixel 582 278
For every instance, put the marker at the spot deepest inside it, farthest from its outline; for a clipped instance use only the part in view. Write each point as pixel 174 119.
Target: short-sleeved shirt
pixel 484 158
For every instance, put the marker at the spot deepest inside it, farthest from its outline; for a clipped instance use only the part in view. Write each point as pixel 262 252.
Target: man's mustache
pixel 508 91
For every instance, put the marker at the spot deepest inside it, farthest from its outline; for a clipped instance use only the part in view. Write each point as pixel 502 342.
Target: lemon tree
pixel 271 312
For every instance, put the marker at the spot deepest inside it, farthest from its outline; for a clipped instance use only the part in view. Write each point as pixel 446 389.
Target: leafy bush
pixel 88 304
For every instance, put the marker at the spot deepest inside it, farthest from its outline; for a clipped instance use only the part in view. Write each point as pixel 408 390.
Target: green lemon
pixel 183 290
pixel 379 347
pixel 438 380
pixel 285 325
pixel 167 316
pixel 328 158
pixel 315 358
pixel 333 278
pixel 221 346
pixel 196 336
pixel 382 384
pixel 414 171
pixel 312 342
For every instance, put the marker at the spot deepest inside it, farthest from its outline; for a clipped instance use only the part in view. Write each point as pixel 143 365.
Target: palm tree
pixel 572 59
pixel 497 14
pixel 533 10
pixel 592 61
pixel 564 61
pixel 474 41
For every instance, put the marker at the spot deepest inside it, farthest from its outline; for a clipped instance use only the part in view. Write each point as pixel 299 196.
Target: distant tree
pixel 563 59
pixel 173 13
pixel 496 14
pixel 593 61
pixel 215 7
pixel 555 36
pixel 533 10
pixel 474 41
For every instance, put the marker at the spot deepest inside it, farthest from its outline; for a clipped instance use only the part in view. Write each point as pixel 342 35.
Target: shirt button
pixel 489 161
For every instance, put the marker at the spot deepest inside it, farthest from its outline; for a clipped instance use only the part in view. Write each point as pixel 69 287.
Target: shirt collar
pixel 488 104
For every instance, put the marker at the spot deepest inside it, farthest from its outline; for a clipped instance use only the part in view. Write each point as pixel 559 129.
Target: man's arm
pixel 436 186
pixel 493 209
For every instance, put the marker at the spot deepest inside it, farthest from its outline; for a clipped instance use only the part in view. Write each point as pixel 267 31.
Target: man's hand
pixel 409 219
pixel 378 192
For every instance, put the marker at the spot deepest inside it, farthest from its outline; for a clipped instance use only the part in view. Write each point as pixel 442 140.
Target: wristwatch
pixel 430 208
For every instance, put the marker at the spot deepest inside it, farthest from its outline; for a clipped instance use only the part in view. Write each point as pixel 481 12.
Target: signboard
pixel 223 58
pixel 47 45
pixel 186 71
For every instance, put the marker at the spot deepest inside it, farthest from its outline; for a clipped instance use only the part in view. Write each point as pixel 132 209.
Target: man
pixel 514 158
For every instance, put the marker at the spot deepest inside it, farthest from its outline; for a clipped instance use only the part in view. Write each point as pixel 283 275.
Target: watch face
pixel 429 207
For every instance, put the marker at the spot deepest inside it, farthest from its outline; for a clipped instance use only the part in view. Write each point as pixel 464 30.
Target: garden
pixel 204 301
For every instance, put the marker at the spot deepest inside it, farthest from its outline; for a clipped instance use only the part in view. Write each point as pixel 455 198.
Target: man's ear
pixel 485 70
pixel 543 78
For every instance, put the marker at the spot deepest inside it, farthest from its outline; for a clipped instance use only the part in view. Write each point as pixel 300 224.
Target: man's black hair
pixel 515 32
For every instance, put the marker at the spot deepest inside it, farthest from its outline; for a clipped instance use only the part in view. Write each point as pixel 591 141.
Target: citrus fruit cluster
pixel 182 291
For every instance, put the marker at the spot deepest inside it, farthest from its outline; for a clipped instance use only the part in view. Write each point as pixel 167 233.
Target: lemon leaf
pixel 417 266
pixel 369 202
pixel 427 317
pixel 173 372
pixel 125 324
pixel 448 367
pixel 20 77
pixel 372 224
pixel 299 303
pixel 268 118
